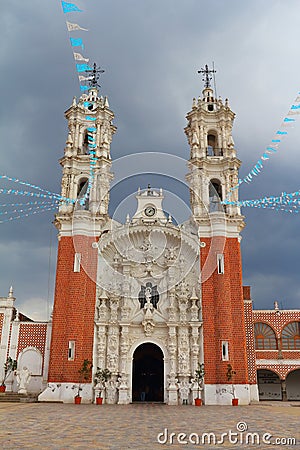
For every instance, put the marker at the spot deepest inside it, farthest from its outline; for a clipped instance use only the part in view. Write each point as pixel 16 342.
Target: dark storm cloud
pixel 151 51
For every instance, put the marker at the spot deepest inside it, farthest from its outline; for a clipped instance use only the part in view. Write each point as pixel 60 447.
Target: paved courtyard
pixel 114 427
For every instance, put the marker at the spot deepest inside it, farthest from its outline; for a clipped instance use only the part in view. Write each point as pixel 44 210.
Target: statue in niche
pixel 149 294
pixel 23 379
pixel 148 307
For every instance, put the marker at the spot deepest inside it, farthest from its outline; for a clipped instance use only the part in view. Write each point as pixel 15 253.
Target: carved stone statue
pixel 111 390
pixel 148 308
pixel 23 378
pixel 184 390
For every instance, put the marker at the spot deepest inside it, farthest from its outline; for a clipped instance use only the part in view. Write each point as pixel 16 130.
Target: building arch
pixel 82 186
pixel 148 373
pixel 269 384
pixel 85 144
pixel 265 337
pixel 213 144
pixel 32 358
pixel 290 336
pixel 292 382
pixel 215 195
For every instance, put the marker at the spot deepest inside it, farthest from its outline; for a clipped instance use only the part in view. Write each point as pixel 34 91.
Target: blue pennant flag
pixel 82 67
pixel 276 140
pixel 84 88
pixel 295 107
pixel 90 118
pixel 76 42
pixel 287 119
pixel 69 7
pixel 281 132
pixel 92 129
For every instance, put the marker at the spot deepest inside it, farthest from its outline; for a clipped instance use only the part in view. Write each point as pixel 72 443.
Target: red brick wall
pixel 32 335
pixel 251 356
pixel 223 310
pixel 74 309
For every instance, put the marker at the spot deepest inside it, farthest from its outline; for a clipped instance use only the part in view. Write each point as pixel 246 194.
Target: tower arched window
pixel 290 336
pixel 215 196
pixel 212 145
pixel 265 338
pixel 83 199
pixel 85 144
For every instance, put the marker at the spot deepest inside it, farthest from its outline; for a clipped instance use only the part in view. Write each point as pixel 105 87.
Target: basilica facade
pixel 151 300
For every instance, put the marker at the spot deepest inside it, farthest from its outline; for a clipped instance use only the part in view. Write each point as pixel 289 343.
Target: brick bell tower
pixel 86 180
pixel 213 171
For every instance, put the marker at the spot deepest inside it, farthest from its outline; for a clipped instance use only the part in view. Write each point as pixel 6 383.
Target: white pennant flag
pixel 79 57
pixel 82 78
pixel 74 26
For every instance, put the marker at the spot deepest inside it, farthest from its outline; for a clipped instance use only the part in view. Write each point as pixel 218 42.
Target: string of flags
pixel 83 68
pixel 24 183
pixel 27 214
pixel 76 43
pixel 273 146
pixel 45 200
pixel 285 201
pixel 54 199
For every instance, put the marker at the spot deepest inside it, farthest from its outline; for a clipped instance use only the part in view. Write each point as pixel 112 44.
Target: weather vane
pixel 95 75
pixel 206 75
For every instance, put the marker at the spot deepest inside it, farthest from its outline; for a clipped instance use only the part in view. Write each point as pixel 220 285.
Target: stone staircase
pixel 18 398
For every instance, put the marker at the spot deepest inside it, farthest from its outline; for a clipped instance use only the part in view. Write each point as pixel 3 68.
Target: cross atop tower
pixel 206 75
pixel 95 75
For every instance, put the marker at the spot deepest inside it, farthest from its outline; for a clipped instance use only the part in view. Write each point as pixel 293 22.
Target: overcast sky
pixel 151 51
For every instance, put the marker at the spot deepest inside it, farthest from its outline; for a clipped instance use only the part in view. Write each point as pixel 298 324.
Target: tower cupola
pixel 213 163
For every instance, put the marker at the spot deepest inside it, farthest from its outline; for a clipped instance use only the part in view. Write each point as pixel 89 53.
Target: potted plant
pixel 84 375
pixel 9 367
pixel 230 377
pixel 101 377
pixel 199 375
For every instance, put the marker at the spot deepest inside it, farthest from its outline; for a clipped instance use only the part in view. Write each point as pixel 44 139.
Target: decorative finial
pixel 194 295
pixel 149 189
pixel 276 307
pixel 206 75
pixel 11 292
pixel 95 75
pixel 127 219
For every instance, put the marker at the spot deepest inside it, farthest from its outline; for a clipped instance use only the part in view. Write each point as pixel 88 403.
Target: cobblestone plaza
pixel 148 426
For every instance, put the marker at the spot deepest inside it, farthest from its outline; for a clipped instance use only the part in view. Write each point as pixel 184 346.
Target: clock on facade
pixel 150 211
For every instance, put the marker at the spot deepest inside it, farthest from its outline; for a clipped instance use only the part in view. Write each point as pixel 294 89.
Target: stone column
pixel 101 346
pixel 112 356
pixel 283 390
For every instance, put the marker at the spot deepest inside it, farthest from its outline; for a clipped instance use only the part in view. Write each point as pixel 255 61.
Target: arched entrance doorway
pixel 293 385
pixel 148 374
pixel 269 385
